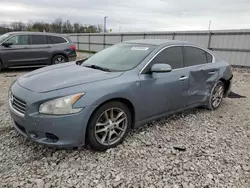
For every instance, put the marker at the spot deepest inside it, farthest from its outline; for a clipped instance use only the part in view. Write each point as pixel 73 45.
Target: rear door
pixel 17 54
pixel 202 73
pixel 165 92
pixel 40 50
pixel 60 45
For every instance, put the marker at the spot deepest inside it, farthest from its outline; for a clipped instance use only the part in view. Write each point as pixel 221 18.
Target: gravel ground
pixel 215 151
pixel 81 55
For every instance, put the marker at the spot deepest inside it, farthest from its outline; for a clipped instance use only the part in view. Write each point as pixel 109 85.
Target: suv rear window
pixel 38 39
pixel 56 40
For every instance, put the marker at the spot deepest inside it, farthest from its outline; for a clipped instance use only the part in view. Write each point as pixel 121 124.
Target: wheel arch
pixel 227 84
pixel 123 100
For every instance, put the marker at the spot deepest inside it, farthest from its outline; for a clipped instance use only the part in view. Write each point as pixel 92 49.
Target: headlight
pixel 61 106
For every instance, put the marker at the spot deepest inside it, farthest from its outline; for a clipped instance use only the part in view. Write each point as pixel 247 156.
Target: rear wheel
pixel 109 126
pixel 57 59
pixel 216 96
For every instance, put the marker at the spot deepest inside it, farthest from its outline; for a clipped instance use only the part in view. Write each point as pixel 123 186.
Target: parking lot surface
pixel 196 148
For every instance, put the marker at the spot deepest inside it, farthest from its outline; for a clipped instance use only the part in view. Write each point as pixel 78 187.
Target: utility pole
pixel 209 26
pixel 120 27
pixel 105 23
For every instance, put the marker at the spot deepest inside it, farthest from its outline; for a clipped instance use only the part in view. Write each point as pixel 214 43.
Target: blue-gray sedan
pixel 97 101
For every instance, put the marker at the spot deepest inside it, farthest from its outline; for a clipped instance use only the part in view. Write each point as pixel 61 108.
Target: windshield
pixel 120 57
pixel 3 37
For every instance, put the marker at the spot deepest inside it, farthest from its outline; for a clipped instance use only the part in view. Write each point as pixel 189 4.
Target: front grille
pixel 18 104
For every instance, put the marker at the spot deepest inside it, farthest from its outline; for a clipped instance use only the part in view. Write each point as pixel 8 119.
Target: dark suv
pixel 21 49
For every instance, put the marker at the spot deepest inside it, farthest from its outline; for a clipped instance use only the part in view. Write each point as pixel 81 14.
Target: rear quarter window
pixel 209 58
pixel 56 40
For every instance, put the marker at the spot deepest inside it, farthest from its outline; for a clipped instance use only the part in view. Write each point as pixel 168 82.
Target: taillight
pixel 73 47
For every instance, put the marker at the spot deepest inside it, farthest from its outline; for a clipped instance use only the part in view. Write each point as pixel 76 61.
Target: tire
pixel 102 124
pixel 57 59
pixel 217 93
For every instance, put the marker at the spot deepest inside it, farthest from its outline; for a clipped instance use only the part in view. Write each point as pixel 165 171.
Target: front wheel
pixel 108 126
pixel 216 96
pixel 57 59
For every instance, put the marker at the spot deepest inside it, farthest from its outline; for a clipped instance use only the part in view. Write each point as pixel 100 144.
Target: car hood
pixel 62 76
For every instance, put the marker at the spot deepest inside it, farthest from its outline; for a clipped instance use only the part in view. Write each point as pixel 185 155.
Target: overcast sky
pixel 133 15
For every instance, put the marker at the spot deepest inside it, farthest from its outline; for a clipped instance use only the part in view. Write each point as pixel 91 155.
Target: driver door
pixel 18 53
pixel 166 91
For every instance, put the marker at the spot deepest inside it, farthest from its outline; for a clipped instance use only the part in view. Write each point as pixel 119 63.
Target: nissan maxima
pixel 96 101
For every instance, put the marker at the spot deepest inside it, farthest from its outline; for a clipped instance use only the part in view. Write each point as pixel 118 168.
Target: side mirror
pixel 161 68
pixel 7 44
pixel 79 62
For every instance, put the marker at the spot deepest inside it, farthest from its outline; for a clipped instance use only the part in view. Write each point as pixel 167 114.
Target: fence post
pixel 78 45
pixel 173 36
pixel 104 36
pixel 89 41
pixel 121 37
pixel 209 39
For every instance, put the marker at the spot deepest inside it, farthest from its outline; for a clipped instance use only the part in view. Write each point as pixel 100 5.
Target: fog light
pixel 51 137
pixel 33 135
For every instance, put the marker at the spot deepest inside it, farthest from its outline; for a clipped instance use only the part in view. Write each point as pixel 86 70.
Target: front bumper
pixel 57 131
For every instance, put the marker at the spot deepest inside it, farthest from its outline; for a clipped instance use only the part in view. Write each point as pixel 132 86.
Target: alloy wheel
pixel 60 60
pixel 111 126
pixel 217 95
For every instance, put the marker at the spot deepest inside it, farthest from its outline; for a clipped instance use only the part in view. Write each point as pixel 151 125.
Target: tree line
pixel 58 26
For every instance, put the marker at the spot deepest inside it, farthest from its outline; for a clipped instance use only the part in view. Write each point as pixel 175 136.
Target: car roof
pixel 158 42
pixel 34 33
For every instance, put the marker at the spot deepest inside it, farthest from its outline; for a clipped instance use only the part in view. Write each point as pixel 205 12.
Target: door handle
pixel 183 78
pixel 212 72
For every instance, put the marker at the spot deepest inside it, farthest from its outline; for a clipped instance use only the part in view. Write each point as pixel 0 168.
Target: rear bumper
pixel 72 57
pixel 229 86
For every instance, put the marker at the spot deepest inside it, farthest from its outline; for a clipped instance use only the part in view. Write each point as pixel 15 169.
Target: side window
pixel 38 39
pixel 56 40
pixel 196 56
pixel 20 40
pixel 172 56
pixel 209 58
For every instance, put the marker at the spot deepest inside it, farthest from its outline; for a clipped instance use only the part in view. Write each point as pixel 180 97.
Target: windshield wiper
pixel 98 67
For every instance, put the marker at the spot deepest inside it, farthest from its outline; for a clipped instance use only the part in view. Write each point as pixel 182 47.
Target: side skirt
pixel 140 123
